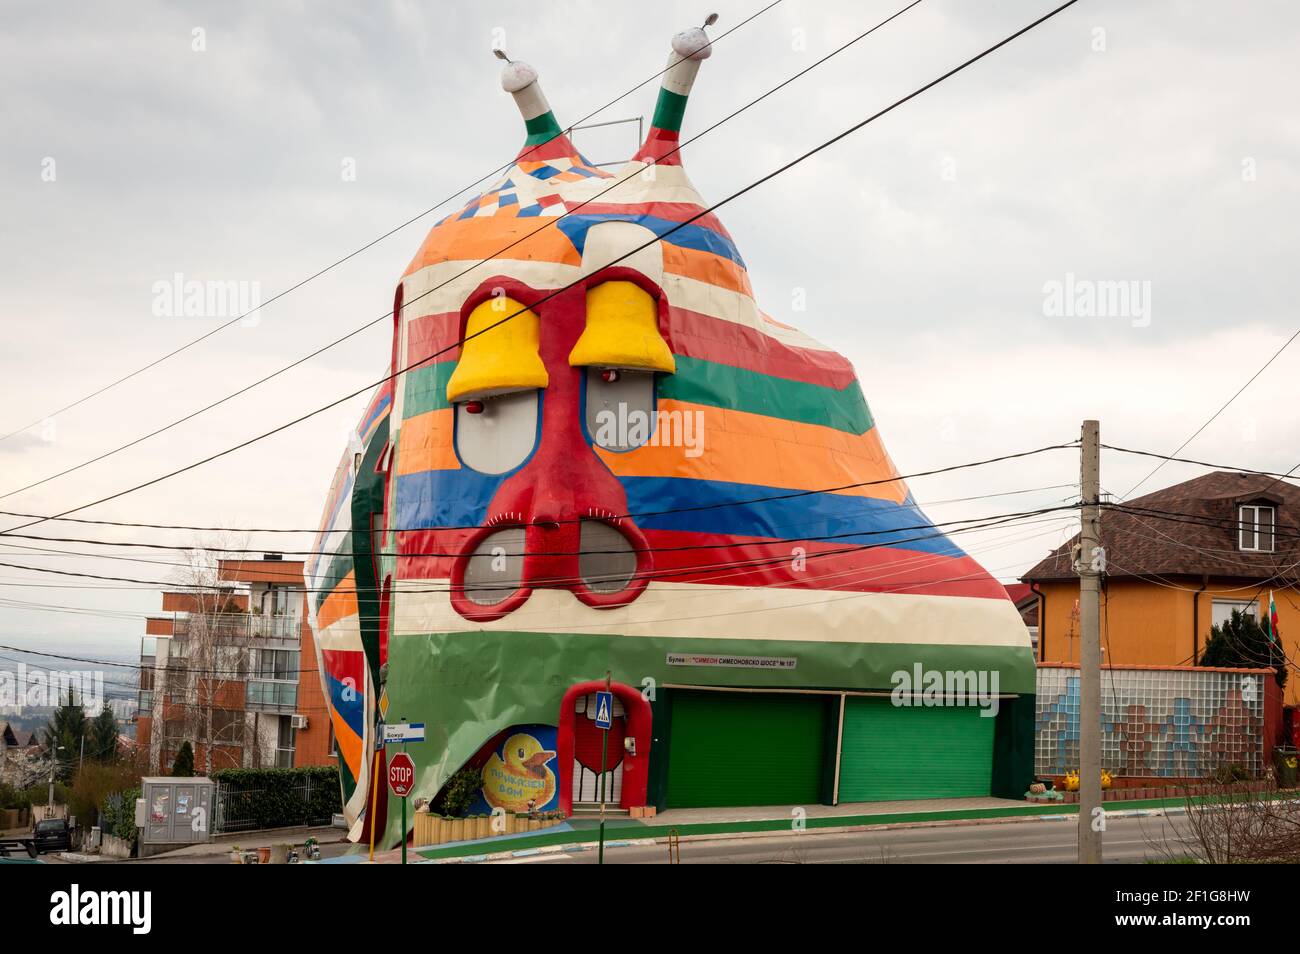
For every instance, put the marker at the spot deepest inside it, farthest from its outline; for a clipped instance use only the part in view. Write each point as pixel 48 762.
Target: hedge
pixel 117 814
pixel 275 797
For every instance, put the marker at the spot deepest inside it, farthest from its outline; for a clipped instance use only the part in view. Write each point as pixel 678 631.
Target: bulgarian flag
pixel 1270 622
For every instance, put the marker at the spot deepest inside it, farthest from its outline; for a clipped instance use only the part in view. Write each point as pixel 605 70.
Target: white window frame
pixel 1221 610
pixel 1251 535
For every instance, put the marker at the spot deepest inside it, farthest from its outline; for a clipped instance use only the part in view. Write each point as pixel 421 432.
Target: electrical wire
pixel 783 168
pixel 367 246
pixel 738 502
pixel 1213 416
pixel 548 222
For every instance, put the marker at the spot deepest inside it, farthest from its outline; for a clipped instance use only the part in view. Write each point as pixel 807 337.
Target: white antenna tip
pixel 692 44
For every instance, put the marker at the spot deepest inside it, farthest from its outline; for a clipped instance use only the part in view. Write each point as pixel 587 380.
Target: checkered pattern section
pixel 504 197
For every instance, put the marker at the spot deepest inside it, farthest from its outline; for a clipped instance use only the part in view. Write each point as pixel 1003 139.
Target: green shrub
pixel 459 793
pixel 93 783
pixel 274 797
pixel 117 814
pixel 183 767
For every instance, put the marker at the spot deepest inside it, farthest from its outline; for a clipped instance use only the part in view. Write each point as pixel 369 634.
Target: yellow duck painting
pixel 521 777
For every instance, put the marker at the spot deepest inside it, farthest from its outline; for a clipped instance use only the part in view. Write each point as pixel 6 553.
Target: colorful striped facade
pixel 783 532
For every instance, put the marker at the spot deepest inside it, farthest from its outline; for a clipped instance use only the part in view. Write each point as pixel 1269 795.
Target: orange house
pixel 1176 562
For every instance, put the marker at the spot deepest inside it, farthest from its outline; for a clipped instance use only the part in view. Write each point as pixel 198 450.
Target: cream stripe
pixel 740 613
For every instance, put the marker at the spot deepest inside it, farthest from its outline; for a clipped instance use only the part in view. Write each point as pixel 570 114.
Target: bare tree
pixel 208 659
pixel 1237 822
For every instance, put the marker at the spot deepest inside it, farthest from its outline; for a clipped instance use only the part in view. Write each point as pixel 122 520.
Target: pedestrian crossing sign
pixel 604 710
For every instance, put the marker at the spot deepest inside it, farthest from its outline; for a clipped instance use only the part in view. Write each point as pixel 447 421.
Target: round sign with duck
pixel 519 775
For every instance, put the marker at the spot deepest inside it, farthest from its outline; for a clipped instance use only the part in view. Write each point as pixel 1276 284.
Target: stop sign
pixel 401 775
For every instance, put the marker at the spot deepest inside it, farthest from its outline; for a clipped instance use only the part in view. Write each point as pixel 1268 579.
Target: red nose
pixel 558 522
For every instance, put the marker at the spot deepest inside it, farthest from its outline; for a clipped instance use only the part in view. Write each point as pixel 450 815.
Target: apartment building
pixel 224 668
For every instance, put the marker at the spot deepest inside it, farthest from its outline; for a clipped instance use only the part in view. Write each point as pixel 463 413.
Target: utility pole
pixel 1089 565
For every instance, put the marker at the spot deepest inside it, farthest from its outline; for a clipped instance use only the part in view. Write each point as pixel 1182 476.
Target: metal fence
pixel 304 801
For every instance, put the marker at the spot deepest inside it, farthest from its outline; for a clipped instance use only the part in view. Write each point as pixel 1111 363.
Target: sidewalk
pixel 221 844
pixel 705 823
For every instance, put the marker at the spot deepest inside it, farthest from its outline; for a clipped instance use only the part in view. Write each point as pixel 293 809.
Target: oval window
pixel 620 409
pixel 496 434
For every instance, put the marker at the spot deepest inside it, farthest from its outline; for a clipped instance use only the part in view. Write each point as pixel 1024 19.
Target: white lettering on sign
pixel 732 662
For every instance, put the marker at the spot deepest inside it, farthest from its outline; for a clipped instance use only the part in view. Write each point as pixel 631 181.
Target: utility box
pixel 177 812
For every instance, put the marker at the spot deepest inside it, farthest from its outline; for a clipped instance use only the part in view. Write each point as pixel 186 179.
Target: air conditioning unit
pixel 298 721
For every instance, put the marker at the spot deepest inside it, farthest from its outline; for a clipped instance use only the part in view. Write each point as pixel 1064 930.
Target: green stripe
pixel 541 128
pixel 700 382
pixel 738 389
pixel 669 110
pixel 426 389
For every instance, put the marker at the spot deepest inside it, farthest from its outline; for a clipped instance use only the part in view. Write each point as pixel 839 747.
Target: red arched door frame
pixel 636 773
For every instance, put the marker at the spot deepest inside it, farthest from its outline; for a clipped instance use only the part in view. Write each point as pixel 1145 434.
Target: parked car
pixel 53 834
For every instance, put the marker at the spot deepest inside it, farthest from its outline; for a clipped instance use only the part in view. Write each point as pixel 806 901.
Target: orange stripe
pixel 339 604
pixel 744 448
pixel 484 238
pixel 426 443
pixel 706 267
pixel 349 744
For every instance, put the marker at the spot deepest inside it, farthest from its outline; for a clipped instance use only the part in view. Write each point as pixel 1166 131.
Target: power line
pixel 1166 458
pixel 549 222
pixel 651 575
pixel 1213 416
pixel 716 505
pixel 43 518
pixel 356 252
pixel 785 167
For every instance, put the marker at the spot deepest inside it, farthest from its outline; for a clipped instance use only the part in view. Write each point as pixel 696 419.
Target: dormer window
pixel 1255 527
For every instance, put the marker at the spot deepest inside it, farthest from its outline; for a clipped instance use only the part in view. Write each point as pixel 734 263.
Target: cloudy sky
pixel 1154 144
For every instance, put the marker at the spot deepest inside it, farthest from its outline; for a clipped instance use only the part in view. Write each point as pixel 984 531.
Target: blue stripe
pixel 688 236
pixel 353 710
pixel 364 430
pixel 454 498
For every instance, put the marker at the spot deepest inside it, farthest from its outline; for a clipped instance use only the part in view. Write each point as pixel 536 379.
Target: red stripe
pixel 658 144
pixel 430 334
pixel 715 339
pixel 557 148
pixel 713 563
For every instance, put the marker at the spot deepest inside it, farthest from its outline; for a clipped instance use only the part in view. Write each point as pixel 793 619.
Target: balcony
pixel 272 695
pixel 241 627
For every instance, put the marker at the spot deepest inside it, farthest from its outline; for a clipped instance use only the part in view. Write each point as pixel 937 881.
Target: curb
pixel 577 847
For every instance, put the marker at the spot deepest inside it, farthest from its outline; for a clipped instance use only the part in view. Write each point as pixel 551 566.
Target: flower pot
pixel 264 855
pixel 236 856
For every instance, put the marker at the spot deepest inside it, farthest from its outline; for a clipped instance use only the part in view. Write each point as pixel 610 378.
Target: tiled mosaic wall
pixel 1177 723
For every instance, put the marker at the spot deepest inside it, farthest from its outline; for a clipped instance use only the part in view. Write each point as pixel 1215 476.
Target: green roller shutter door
pixel 731 748
pixel 897 752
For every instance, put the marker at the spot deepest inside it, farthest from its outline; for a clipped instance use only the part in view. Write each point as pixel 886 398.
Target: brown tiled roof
pixel 1199 539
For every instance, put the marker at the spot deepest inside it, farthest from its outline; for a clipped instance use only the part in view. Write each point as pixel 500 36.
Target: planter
pixel 264 855
pixel 236 856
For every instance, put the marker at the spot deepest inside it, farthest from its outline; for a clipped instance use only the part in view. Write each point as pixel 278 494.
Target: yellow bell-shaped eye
pixel 622 331
pixel 503 359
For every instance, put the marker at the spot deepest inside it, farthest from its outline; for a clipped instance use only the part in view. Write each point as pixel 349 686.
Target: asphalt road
pixel 1127 840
